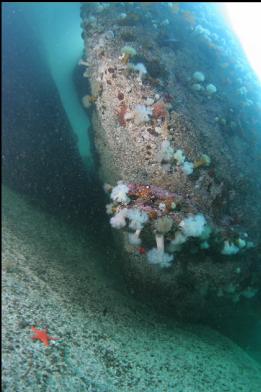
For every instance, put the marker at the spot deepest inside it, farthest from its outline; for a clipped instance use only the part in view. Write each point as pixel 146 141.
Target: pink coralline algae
pixel 150 198
pixel 152 190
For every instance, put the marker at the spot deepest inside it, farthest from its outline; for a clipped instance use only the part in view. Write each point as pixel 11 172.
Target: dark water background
pixel 41 156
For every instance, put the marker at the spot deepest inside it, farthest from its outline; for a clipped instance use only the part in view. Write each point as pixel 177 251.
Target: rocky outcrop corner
pixel 170 127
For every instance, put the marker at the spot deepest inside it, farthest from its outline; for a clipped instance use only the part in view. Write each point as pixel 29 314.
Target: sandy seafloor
pixel 109 342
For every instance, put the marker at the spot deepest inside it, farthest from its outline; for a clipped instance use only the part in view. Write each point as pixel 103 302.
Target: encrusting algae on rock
pixel 165 213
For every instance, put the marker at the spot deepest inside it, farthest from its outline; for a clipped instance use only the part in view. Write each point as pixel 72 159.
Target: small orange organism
pixel 153 215
pixel 159 110
pixel 42 335
pixel 144 193
pixel 170 205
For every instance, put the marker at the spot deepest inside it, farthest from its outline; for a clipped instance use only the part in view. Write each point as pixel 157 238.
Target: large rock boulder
pixel 176 119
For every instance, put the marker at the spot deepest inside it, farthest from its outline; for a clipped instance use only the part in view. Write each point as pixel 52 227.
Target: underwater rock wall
pixel 176 117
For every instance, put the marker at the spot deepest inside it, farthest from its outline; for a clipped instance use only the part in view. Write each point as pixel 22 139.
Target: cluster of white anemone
pixel 193 226
pixel 168 154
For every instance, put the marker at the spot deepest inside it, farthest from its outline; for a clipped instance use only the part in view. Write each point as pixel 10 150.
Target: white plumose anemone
pixel 137 220
pixel 193 226
pixel 159 257
pixel 118 221
pixel 119 193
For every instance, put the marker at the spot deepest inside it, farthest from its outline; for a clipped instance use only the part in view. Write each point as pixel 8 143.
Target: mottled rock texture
pixel 172 46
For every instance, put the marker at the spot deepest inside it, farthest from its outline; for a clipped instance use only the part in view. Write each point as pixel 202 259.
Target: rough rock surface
pixel 224 125
pixel 108 342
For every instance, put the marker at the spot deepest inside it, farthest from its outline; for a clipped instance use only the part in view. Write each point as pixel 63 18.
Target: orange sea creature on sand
pixel 42 335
